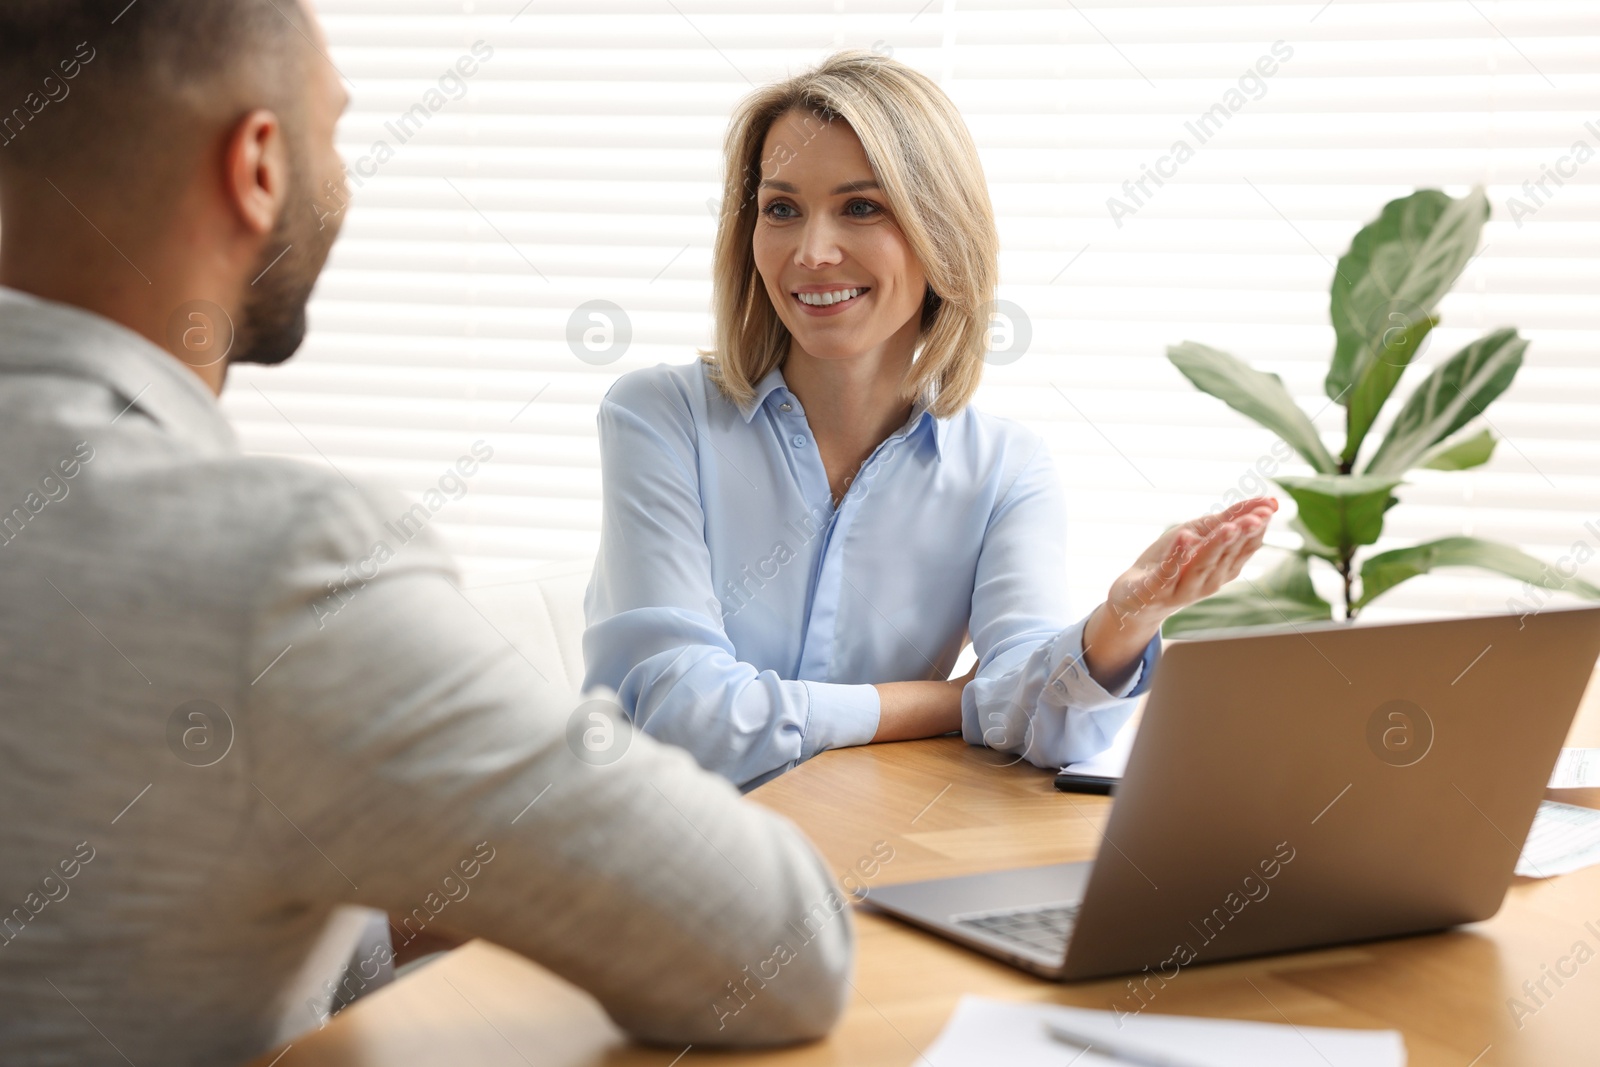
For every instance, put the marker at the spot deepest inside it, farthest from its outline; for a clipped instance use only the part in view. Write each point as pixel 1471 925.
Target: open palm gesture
pixel 1187 563
pixel 1190 562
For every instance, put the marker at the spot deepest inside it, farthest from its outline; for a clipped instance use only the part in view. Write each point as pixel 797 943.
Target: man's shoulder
pixel 262 511
pixel 261 488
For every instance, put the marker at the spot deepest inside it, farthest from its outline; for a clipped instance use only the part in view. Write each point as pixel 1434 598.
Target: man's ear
pixel 256 164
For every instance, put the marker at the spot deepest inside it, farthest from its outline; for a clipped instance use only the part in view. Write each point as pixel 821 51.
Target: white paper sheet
pixel 983 1032
pixel 1577 768
pixel 1564 838
pixel 1113 761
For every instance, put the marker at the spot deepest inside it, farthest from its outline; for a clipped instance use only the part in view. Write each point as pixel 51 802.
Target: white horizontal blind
pixel 579 159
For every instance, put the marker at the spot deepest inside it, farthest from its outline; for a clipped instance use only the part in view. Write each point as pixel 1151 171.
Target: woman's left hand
pixel 1187 563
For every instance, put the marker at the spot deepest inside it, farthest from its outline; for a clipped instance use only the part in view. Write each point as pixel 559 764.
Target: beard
pixel 274 314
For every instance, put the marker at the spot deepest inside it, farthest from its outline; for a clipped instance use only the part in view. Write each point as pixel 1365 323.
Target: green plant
pixel 1385 291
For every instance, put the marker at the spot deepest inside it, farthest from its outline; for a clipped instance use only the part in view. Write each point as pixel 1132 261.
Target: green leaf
pixel 1311 545
pixel 1461 454
pixel 1342 510
pixel 1403 262
pixel 1457 391
pixel 1383 572
pixel 1397 347
pixel 1283 594
pixel 1259 395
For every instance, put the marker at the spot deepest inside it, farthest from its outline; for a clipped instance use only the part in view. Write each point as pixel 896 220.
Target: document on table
pixel 983 1032
pixel 1564 838
pixel 1577 768
pixel 1113 761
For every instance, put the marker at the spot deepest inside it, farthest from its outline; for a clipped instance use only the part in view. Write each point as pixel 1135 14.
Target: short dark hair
pixel 106 83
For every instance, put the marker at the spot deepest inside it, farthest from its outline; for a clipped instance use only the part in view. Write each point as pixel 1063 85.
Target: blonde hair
pixel 927 167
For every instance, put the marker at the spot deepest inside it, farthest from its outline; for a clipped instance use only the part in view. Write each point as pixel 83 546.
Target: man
pixel 229 701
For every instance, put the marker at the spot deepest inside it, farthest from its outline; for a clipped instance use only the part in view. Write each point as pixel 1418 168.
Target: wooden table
pixel 947 808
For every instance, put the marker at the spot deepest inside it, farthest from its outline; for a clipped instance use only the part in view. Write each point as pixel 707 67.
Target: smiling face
pixel 839 272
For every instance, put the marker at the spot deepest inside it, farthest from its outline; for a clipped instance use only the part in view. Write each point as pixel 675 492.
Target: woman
pixel 801 531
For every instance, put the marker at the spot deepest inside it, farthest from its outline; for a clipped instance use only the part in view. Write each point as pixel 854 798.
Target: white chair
pixel 541 614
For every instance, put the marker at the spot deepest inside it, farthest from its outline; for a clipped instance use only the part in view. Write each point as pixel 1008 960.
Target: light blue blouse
pixel 738 615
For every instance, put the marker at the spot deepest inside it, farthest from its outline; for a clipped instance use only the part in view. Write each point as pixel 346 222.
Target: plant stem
pixel 1347 572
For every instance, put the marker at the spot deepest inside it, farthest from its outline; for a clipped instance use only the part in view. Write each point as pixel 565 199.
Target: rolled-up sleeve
pixel 1033 694
pixel 655 634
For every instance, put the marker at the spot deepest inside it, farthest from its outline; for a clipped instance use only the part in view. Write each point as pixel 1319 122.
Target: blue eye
pixel 771 210
pixel 874 209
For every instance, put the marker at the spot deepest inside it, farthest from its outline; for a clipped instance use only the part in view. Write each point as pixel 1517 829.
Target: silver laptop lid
pixel 1329 783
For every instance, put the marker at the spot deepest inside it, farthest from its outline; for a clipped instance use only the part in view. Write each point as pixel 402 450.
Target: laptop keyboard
pixel 1042 927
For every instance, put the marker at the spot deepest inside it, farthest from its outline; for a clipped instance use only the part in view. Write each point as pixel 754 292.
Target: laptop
pixel 1302 786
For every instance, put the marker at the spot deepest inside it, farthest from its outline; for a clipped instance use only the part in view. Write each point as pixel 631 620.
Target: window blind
pixel 579 159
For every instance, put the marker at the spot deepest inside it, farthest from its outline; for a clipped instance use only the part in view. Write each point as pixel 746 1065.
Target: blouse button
pixel 786 407
pixel 799 441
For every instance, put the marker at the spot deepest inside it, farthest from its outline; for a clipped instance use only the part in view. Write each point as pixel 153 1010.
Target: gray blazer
pixel 237 692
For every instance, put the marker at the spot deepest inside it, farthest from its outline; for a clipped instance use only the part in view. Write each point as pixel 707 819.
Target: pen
pixel 1122 1049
